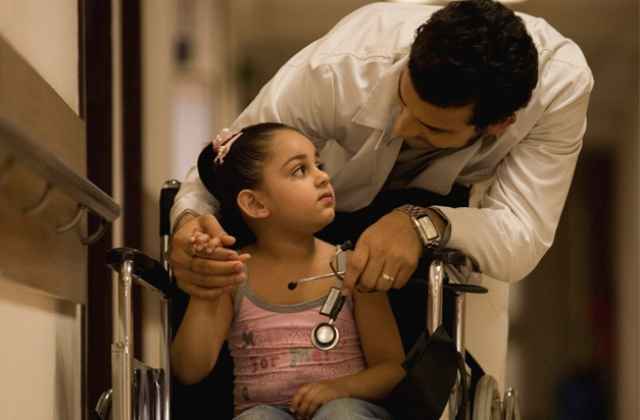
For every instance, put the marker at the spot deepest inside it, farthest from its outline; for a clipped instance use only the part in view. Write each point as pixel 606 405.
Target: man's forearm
pixel 499 241
pixel 183 218
pixel 192 197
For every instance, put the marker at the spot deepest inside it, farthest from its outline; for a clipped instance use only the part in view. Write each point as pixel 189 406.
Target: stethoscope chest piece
pixel 325 336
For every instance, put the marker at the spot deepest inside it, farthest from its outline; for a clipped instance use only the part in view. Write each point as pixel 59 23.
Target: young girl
pixel 274 197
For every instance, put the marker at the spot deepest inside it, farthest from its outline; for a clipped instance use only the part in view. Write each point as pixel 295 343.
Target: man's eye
pixel 300 170
pixel 320 166
pixel 434 131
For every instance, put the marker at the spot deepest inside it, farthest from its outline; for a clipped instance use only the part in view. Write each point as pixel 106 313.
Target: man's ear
pixel 499 128
pixel 251 204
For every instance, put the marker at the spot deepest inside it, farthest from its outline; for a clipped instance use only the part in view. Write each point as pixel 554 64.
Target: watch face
pixel 429 229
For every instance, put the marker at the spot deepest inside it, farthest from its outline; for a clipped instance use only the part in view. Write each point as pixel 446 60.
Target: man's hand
pixel 310 397
pixel 385 256
pixel 205 272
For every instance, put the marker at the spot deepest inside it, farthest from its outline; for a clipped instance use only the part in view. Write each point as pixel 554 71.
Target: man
pixel 401 97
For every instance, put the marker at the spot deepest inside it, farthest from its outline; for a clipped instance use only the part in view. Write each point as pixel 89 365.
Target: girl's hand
pixel 203 263
pixel 202 244
pixel 310 397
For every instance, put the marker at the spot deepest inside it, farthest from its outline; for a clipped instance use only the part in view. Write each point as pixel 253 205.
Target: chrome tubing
pixel 166 360
pixel 459 326
pixel 122 348
pixel 434 298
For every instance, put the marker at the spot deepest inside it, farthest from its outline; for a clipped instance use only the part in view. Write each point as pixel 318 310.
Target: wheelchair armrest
pixel 449 257
pixel 466 288
pixel 145 268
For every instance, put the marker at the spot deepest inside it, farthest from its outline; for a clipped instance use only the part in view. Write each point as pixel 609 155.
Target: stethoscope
pixel 326 335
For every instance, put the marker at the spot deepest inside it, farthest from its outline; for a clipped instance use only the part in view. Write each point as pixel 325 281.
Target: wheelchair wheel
pixel 486 402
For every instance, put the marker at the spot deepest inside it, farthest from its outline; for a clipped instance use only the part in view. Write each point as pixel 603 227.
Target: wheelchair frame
pixel 138 391
pixel 487 403
pixel 132 399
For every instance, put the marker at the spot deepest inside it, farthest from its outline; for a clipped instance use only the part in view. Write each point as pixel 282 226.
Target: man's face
pixel 426 126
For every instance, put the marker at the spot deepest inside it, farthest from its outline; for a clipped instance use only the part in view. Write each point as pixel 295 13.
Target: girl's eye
pixel 302 169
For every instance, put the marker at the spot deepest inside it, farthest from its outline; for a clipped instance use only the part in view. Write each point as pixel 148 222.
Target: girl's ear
pixel 250 203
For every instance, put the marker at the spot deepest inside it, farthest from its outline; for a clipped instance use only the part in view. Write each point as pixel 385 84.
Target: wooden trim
pixel 31 108
pixel 81 59
pixel 132 121
pixel 98 102
pixel 43 136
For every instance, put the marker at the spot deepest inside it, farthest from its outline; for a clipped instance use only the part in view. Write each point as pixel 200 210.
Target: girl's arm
pixel 197 344
pixel 383 351
pixel 382 346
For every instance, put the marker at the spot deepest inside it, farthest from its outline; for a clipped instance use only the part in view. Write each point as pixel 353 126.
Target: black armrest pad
pixel 145 267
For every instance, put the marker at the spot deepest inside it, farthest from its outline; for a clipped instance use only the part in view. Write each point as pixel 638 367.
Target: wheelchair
pixel 142 392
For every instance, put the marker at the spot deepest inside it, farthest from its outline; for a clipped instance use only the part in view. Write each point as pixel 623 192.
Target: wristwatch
pixel 424 226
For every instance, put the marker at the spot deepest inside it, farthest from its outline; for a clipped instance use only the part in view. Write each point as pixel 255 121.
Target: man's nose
pixel 402 124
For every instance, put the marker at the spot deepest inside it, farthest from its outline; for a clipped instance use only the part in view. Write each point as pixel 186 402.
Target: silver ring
pixel 387 277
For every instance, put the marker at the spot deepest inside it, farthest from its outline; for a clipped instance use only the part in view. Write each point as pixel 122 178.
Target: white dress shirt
pixel 342 92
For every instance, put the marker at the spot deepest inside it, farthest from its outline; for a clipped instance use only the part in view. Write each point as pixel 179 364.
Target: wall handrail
pixel 57 174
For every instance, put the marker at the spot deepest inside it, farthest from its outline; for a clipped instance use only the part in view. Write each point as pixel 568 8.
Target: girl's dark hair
pixel 475 52
pixel 242 168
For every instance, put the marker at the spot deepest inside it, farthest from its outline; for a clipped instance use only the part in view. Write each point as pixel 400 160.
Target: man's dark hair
pixel 475 52
pixel 241 168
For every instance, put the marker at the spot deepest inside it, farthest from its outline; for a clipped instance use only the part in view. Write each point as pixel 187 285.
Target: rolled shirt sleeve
pixel 192 197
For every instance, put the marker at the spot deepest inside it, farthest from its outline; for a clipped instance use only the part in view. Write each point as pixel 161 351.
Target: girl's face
pixel 295 189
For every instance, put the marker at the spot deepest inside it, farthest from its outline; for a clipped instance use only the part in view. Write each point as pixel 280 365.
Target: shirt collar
pixel 442 173
pixel 382 102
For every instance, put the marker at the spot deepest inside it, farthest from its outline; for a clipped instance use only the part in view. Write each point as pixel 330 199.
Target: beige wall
pixel 40 359
pixel 39 356
pixel 46 34
pixel 183 106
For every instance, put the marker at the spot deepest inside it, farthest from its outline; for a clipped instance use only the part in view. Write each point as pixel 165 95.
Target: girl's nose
pixel 322 177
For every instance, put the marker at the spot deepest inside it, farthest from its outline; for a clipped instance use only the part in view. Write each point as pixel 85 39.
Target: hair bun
pixel 207 169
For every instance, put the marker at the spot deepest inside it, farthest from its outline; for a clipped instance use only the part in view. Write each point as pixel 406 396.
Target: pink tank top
pixel 272 351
